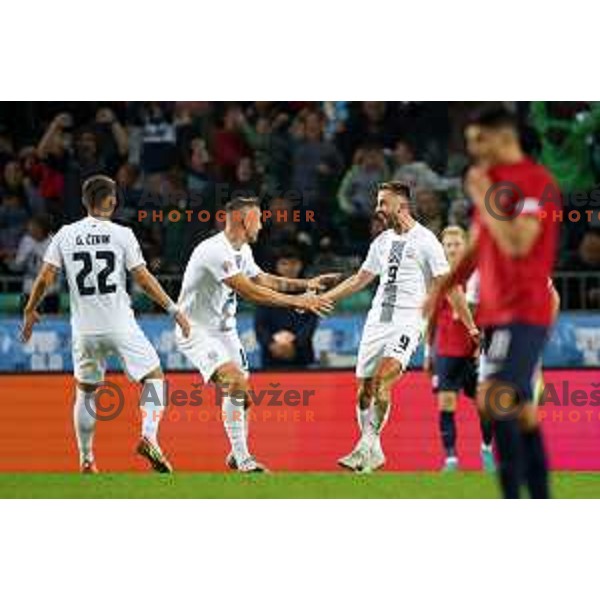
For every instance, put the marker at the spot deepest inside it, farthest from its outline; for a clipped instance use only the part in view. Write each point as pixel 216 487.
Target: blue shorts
pixel 455 373
pixel 512 354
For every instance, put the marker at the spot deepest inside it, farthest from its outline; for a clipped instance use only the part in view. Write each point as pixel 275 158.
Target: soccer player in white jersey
pixel 95 254
pixel 221 267
pixel 408 259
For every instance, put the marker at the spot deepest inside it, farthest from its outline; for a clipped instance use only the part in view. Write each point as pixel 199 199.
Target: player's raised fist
pixel 30 318
pixel 62 121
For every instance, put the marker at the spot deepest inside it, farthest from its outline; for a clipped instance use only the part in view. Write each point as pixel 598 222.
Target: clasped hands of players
pixel 320 305
pixel 323 282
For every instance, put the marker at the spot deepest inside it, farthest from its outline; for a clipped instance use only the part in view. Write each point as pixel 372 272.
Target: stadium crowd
pixel 324 157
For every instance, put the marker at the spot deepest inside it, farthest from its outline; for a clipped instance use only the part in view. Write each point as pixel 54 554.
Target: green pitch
pixel 281 485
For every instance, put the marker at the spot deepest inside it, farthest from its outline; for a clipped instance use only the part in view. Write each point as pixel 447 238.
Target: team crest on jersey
pixel 227 266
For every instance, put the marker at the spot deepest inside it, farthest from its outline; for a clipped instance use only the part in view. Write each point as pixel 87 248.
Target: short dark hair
pixel 496 117
pixel 96 188
pixel 400 188
pixel 241 202
pixel 288 251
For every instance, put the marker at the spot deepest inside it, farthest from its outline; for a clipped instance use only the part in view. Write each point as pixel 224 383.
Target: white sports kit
pixel 211 305
pixel 95 254
pixel 405 264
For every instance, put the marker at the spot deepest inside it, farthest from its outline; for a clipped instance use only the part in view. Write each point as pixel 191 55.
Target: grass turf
pixel 280 485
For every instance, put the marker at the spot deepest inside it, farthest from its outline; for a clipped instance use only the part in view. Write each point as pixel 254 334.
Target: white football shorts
pixel 136 354
pixel 209 350
pixel 387 340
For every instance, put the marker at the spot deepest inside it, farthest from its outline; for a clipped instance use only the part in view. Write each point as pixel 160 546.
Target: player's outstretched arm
pixel 45 278
pixel 259 294
pixel 353 284
pixel 154 290
pixel 287 285
pixel 458 275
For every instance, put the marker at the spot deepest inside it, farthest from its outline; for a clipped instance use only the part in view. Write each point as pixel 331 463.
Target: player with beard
pixel 408 259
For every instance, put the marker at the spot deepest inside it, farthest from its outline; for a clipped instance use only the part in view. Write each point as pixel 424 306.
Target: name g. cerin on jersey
pixel 92 239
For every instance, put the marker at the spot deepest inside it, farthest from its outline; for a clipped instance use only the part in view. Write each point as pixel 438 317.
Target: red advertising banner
pixel 299 422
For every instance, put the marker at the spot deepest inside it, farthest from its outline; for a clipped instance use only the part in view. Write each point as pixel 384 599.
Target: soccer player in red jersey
pixel 451 356
pixel 517 208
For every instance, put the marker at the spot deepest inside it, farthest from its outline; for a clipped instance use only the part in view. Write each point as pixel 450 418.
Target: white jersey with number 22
pixel 95 255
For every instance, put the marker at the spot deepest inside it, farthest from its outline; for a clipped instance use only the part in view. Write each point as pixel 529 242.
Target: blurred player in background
pixel 514 251
pixel 408 259
pixel 29 259
pixel 221 267
pixel 95 254
pixel 454 363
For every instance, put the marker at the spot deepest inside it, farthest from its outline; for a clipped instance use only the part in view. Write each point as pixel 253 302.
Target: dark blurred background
pixel 320 156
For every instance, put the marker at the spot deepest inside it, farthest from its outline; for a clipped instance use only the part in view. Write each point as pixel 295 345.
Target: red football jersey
pixel 451 336
pixel 515 289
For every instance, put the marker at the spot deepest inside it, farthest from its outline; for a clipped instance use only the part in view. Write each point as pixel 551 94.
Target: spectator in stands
pixel 281 230
pixel 73 157
pixel 246 179
pixel 229 145
pixel 13 219
pixel 566 131
pixel 158 138
pixel 271 143
pixel 32 176
pixel 197 164
pixel 358 191
pixel 418 173
pixel 6 146
pixel 587 294
pixel 12 180
pixel 112 137
pixel 316 167
pixel 28 260
pixel 460 212
pixel 430 210
pixel 285 336
pixel 373 123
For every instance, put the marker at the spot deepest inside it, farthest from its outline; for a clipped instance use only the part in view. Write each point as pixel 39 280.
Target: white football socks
pixel 371 434
pixel 84 419
pixel 234 421
pixel 363 416
pixel 153 406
